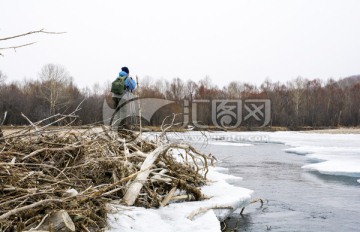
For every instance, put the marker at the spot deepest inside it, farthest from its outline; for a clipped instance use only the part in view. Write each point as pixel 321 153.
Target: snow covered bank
pixel 204 215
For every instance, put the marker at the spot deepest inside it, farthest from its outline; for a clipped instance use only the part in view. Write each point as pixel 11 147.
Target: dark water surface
pixel 298 200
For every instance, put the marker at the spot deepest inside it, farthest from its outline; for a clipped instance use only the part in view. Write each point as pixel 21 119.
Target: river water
pixel 296 199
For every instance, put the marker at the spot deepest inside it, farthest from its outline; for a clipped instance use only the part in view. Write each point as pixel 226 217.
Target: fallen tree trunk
pixel 134 189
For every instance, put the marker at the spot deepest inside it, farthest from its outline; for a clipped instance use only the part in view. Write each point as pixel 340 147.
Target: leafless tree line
pixel 295 104
pixel 51 93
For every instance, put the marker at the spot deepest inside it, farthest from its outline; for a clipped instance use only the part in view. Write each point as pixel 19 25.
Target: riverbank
pixel 341 130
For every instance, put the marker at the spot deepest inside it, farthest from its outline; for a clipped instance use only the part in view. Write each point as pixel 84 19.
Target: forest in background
pixel 295 104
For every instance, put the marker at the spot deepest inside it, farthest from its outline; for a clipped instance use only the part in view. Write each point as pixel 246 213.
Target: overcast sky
pixel 227 40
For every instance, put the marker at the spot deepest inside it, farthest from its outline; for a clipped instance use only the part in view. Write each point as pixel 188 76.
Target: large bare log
pixel 58 221
pixel 134 189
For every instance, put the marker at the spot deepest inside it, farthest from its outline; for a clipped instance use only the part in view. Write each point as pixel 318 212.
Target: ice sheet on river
pixel 334 154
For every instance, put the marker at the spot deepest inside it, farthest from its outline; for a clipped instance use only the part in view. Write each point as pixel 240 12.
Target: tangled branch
pixel 51 173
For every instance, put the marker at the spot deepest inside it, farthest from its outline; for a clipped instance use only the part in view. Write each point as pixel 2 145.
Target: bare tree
pixel 160 87
pixel 2 77
pixel 97 90
pixel 55 80
pixel 234 89
pixel 191 87
pixel 177 89
pixel 206 82
pixel 297 87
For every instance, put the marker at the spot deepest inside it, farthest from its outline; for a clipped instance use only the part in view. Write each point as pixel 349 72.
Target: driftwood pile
pixel 61 179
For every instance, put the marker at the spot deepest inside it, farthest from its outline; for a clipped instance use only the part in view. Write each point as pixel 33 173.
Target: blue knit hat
pixel 125 69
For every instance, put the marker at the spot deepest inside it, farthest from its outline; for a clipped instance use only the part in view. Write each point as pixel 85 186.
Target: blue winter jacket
pixel 130 83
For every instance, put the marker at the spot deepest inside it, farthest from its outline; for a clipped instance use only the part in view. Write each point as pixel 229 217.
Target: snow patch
pixel 224 198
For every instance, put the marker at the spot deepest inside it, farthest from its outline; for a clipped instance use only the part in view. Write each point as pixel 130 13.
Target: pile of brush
pixel 61 178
